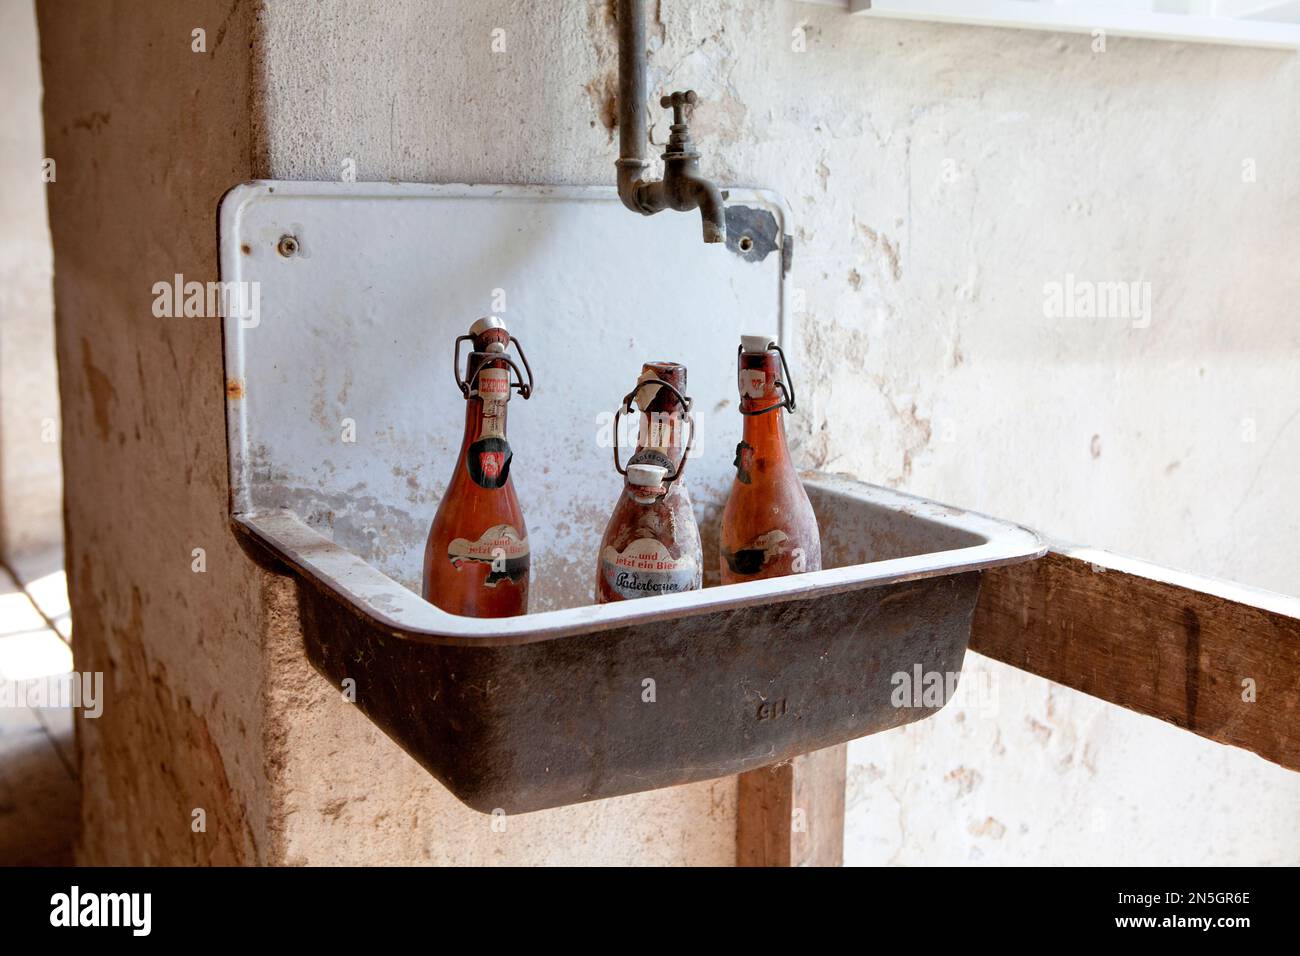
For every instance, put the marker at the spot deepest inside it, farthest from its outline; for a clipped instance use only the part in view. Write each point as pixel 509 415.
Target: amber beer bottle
pixel 651 544
pixel 476 556
pixel 768 526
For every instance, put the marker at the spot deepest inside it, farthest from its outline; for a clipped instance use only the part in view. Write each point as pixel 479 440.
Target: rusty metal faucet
pixel 682 188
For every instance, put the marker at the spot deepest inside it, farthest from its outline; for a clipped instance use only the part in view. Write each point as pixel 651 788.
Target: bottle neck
pixel 766 431
pixel 757 377
pixel 661 438
pixel 484 419
pixel 485 409
pixel 485 454
pixel 662 431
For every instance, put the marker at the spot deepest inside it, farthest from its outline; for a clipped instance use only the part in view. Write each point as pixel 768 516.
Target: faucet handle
pixel 679 101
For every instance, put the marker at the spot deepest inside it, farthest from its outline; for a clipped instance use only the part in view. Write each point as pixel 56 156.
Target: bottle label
pixel 646 568
pixel 756 555
pixel 652 456
pixel 488 462
pixel 501 547
pixel 744 462
pixel 493 385
pixel 662 430
pixel 753 383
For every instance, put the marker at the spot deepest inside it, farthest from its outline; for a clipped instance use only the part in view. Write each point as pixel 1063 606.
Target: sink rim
pixel 369 592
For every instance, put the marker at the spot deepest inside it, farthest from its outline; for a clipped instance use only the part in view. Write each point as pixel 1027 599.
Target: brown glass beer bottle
pixel 651 544
pixel 768 526
pixel 476 559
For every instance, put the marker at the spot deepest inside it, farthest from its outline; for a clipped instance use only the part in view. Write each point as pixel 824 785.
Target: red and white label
pixel 491 463
pixel 753 383
pixel 494 385
pixel 494 389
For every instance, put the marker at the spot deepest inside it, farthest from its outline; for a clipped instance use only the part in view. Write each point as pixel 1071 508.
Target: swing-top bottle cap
pixel 486 323
pixel 756 344
pixel 646 476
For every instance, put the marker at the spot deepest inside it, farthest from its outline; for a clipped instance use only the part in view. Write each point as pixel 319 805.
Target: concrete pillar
pixel 147 135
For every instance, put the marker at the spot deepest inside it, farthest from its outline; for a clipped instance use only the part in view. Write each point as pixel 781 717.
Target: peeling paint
pixel 753 234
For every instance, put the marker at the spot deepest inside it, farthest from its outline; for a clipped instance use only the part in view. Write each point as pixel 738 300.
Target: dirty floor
pixel 38 783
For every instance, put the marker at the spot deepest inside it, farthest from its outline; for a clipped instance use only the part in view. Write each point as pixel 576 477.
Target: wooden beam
pixel 1219 659
pixel 792 814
